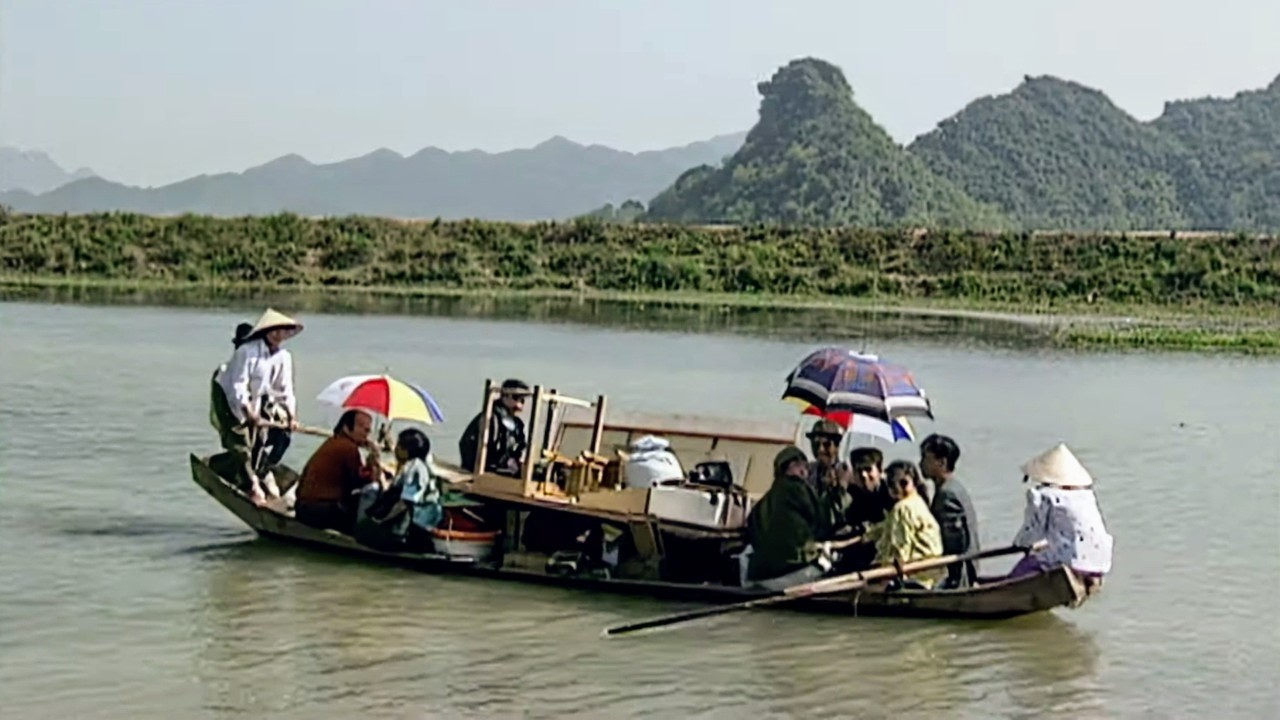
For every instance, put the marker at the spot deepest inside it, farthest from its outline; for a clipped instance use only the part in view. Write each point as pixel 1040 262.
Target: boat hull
pixel 1057 587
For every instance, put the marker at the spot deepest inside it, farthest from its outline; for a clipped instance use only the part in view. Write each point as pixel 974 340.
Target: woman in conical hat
pixel 258 383
pixel 280 326
pixel 1062 509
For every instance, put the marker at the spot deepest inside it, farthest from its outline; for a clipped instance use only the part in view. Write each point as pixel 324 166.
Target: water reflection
pixel 286 630
pixel 853 325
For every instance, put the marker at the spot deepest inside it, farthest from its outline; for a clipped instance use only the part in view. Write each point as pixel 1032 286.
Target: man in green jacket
pixel 784 527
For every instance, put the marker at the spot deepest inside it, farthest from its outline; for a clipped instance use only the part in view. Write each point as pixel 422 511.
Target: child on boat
pixel 908 532
pixel 1062 508
pixel 403 515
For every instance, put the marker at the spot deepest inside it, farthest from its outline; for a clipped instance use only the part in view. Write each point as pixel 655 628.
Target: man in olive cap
pixel 784 527
pixel 827 474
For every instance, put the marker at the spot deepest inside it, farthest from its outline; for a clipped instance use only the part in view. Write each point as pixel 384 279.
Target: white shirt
pixel 1072 523
pixel 254 372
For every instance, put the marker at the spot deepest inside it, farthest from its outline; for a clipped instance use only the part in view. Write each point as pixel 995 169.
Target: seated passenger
pixel 784 527
pixel 1062 508
pixel 869 500
pixel 507 443
pixel 869 497
pixel 333 477
pixel 404 514
pixel 909 531
pixel 951 507
pixel 830 477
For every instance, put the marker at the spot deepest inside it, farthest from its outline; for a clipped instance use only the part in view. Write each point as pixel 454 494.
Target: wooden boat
pixel 672 558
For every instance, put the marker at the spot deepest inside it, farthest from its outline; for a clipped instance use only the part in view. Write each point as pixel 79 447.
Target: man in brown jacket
pixel 330 484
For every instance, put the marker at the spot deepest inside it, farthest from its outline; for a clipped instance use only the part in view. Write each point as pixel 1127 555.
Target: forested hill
pixel 1050 155
pixel 816 158
pixel 1053 154
pixel 1234 145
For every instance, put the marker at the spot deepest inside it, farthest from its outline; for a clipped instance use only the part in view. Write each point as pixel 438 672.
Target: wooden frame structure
pixel 540 434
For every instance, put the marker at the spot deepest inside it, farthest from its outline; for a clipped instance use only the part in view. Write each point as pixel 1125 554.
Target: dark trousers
pixel 325 515
pixel 269 447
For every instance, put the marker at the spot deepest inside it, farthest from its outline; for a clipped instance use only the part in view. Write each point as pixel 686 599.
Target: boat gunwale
pixel 866 601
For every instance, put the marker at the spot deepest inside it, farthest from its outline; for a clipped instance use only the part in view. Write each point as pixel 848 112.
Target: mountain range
pixel 1050 154
pixel 34 171
pixel 557 178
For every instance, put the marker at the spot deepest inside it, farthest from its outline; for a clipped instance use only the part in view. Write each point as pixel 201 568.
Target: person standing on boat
pixel 784 527
pixel 219 410
pixel 1062 508
pixel 258 383
pixel 332 479
pixel 507 442
pixel 951 507
pixel 220 415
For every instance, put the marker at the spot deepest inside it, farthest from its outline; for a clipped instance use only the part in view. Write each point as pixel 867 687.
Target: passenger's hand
pixel 844 475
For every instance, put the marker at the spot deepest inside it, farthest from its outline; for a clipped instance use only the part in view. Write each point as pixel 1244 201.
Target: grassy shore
pixel 1087 326
pixel 1198 293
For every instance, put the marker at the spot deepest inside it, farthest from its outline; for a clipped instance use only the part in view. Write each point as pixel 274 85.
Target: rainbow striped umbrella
pixel 382 394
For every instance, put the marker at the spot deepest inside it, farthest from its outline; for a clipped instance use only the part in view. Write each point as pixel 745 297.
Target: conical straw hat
pixel 271 320
pixel 1057 466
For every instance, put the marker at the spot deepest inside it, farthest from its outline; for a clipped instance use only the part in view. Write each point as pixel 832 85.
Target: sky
pixel 153 91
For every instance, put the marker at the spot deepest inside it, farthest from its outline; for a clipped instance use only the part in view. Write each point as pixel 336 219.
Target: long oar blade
pixel 691 615
pixel 825 586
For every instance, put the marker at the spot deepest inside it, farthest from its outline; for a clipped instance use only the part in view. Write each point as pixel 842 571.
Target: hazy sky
pixel 151 91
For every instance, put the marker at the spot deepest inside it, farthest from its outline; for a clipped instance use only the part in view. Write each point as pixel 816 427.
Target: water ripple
pixel 128 593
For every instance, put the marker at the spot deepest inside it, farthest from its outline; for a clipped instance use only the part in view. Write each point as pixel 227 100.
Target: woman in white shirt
pixel 1062 509
pixel 258 382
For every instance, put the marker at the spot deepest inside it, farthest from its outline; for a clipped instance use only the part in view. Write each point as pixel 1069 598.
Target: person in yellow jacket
pixel 909 531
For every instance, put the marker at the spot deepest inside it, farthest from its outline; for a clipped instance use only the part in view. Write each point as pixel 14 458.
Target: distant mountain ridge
pixel 34 171
pixel 557 178
pixel 1050 154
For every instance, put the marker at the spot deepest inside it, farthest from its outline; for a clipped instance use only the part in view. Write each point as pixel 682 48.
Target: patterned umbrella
pixel 837 379
pixel 382 394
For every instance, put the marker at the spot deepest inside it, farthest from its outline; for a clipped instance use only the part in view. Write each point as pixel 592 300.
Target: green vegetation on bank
pixel 1052 272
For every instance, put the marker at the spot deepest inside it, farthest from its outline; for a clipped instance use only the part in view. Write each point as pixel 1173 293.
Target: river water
pixel 128 593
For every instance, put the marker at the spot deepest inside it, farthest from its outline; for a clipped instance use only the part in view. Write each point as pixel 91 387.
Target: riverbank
pixel 1201 292
pixel 1082 327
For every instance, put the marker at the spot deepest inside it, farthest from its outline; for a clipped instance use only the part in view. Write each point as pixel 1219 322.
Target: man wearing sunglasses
pixel 828 476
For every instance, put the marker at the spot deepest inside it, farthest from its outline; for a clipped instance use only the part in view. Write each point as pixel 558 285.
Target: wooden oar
pixel 304 429
pixel 825 586
pixel 318 432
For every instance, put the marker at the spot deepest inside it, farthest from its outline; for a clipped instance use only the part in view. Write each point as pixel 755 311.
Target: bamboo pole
pixel 530 456
pixel 482 446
